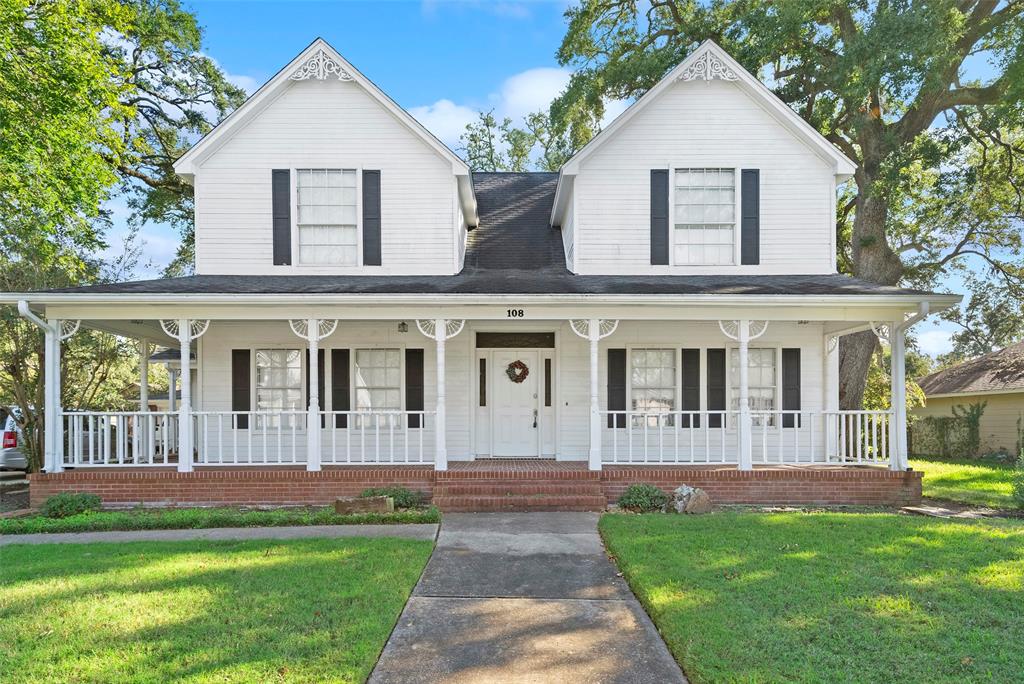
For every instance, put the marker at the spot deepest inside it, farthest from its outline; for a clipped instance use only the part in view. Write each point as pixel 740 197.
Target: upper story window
pixel 705 216
pixel 327 217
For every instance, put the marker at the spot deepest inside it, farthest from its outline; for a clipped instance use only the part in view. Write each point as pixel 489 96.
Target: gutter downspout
pixel 51 391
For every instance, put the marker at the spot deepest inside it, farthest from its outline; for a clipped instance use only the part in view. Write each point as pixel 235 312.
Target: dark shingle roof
pixel 998 371
pixel 513 251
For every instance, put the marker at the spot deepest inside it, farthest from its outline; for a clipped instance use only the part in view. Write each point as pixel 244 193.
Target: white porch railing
pixel 777 437
pixel 126 438
pixel 227 438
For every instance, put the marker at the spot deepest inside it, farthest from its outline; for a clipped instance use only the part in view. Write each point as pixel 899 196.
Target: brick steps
pixel 520 502
pixel 519 489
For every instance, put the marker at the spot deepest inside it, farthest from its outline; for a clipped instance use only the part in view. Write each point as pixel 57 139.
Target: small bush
pixel 404 498
pixel 67 504
pixel 643 498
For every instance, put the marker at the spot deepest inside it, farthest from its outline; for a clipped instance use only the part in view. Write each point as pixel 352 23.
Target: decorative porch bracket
pixel 743 331
pixel 313 330
pixel 440 330
pixel 594 330
pixel 185 331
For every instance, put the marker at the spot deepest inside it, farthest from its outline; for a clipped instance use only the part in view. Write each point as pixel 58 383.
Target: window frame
pixel 296 246
pixel 676 377
pixel 254 378
pixel 353 389
pixel 737 219
pixel 776 395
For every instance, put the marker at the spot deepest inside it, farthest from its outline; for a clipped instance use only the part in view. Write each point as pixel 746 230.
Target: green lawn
pixel 254 611
pixel 980 482
pixel 203 518
pixel 829 597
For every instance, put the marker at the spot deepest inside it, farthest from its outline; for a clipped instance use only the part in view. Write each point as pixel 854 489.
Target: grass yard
pixel 204 518
pixel 255 611
pixel 970 481
pixel 829 597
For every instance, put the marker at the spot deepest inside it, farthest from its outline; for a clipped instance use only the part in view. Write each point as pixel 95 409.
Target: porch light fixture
pixel 403 327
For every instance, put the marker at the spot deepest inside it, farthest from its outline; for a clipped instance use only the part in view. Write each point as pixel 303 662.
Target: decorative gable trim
pixel 708 67
pixel 322 67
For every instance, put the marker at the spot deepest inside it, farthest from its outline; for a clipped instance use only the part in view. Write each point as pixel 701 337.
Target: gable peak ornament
pixel 321 66
pixel 708 67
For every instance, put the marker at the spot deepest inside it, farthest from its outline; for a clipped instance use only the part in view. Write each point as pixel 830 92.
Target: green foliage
pixel 270 610
pixel 955 436
pixel 992 318
pixel 404 497
pixel 1018 473
pixel 643 498
pixel 492 145
pixel 67 504
pixel 735 595
pixel 878 388
pixel 205 518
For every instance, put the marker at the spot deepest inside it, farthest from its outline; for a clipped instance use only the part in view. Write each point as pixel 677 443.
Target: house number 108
pixel 514 313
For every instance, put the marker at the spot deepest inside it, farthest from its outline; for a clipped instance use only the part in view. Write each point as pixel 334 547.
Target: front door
pixel 514 420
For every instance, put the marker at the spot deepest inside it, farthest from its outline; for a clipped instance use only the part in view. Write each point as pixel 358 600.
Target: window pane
pixel 705 216
pixel 378 381
pixel 278 386
pixel 327 217
pixel 653 385
pixel 761 381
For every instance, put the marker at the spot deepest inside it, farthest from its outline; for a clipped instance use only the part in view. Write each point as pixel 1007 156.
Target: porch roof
pixel 496 282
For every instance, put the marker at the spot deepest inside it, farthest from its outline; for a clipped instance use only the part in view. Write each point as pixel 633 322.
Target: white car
pixel 12 456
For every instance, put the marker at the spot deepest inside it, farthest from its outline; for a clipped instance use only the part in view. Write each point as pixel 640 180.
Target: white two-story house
pixel 367 309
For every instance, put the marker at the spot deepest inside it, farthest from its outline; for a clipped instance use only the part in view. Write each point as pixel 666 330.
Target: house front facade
pixel 367 310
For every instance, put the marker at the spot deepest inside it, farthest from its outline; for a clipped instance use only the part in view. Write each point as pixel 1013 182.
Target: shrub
pixel 643 498
pixel 1018 472
pixel 404 498
pixel 70 503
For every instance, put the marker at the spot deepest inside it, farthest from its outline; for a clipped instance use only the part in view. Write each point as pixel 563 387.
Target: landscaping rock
pixel 687 499
pixel 365 504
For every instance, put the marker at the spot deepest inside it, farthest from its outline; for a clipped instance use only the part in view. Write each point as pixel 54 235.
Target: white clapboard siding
pixel 325 124
pixel 571 363
pixel 703 124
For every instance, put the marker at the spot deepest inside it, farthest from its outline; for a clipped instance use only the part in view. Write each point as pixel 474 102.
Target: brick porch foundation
pixel 484 485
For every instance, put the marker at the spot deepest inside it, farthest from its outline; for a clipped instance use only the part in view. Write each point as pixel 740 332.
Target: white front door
pixel 514 420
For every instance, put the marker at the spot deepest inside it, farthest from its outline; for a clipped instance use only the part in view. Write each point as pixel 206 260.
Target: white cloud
pixel 445 119
pixel 530 91
pixel 935 342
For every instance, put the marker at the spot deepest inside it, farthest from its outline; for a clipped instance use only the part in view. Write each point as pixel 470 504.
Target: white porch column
pixel 594 330
pixel 172 403
pixel 594 336
pixel 52 428
pixel 313 410
pixel 898 426
pixel 185 455
pixel 440 330
pixel 745 446
pixel 143 375
pixel 440 421
pixel 830 401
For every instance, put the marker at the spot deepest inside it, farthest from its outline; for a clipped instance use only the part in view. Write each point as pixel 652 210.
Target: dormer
pixel 321 173
pixel 708 173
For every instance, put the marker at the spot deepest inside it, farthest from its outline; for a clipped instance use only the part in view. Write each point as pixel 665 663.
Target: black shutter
pixel 414 384
pixel 691 386
pixel 371 218
pixel 321 375
pixel 716 386
pixel 790 386
pixel 341 399
pixel 241 385
pixel 659 217
pixel 281 196
pixel 750 216
pixel 617 386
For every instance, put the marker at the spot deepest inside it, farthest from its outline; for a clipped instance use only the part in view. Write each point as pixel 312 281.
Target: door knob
pixel 534 418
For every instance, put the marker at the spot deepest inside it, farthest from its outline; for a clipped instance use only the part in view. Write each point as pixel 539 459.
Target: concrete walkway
pixel 523 597
pixel 420 531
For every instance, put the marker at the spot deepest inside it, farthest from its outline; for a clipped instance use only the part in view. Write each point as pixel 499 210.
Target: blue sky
pixel 440 59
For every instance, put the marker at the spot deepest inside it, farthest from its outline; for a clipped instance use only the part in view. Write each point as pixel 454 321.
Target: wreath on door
pixel 517 371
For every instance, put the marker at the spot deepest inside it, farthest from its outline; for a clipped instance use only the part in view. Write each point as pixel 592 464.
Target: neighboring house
pixel 366 309
pixel 996 380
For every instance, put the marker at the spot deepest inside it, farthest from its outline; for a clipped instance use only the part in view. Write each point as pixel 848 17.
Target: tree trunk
pixel 874 261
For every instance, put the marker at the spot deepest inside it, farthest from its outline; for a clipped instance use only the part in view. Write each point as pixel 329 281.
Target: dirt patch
pixel 13 497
